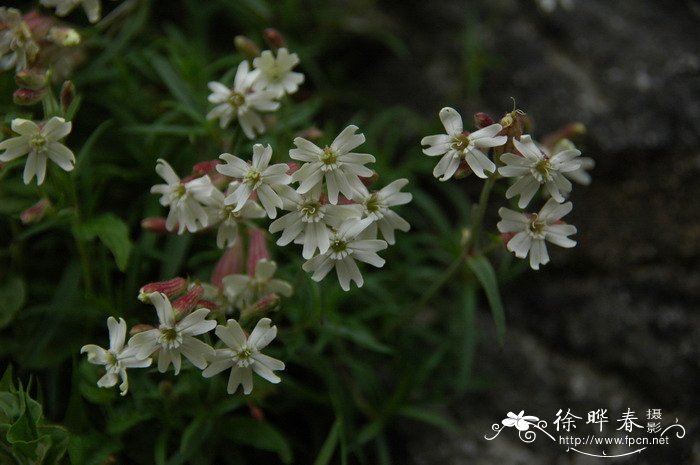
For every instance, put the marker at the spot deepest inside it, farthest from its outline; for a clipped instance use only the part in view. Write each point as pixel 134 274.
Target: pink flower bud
pixel 482 120
pixel 208 304
pixel 265 304
pixel 187 302
pixel 28 96
pixel 273 38
pixel 506 237
pixel 257 249
pixel 230 263
pixel 155 224
pixel 171 288
pixel 36 212
pixel 205 167
pixel 342 200
pixel 292 167
pixel 140 328
pixel 246 46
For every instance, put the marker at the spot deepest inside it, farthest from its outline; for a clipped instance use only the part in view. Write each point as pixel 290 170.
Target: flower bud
pixel 246 46
pixel 256 412
pixel 482 120
pixel 230 263
pixel 140 328
pixel 155 224
pixel 292 167
pixel 463 170
pixel 273 38
pixel 205 167
pixel 36 212
pixel 171 288
pixel 369 180
pixel 257 249
pixel 30 78
pixel 28 96
pixel 187 302
pixel 208 304
pixel 312 133
pixel 263 305
pixel 506 237
pixel 67 95
pixel 64 36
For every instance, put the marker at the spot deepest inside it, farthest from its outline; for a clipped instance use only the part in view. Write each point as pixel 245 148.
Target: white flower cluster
pixel 255 91
pixel 176 336
pixel 17 46
pixel 531 166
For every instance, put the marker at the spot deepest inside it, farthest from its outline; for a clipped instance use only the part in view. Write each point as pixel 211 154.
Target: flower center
pixel 236 99
pixel 112 364
pixel 312 212
pixel 252 177
pixel 170 338
pixel 543 170
pixel 373 205
pixel 536 227
pixel 329 156
pixel 38 143
pixel 339 249
pixel 461 142
pixel 179 191
pixel 244 357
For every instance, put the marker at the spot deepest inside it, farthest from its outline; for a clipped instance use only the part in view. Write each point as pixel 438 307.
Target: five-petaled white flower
pixel 256 177
pixel 310 220
pixel 458 145
pixel 63 7
pixel 276 74
pixel 532 230
pixel 243 355
pixel 41 143
pixel 520 421
pixel 116 359
pixel 345 248
pixel 340 167
pixel 243 102
pixel 174 337
pixel 535 168
pixel 187 200
pixel 228 218
pixel 376 206
pixel 17 46
pixel 243 290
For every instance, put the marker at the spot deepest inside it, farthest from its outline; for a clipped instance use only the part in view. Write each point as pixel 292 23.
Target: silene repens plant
pixel 270 205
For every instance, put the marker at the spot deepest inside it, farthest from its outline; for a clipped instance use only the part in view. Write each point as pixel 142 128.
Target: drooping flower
pixel 174 337
pixel 256 177
pixel 346 247
pixel 535 168
pixel 276 73
pixel 340 167
pixel 243 102
pixel 310 220
pixel 533 229
pixel 41 143
pixel 93 8
pixel 376 206
pixel 187 200
pixel 244 290
pixel 17 46
pixel 117 358
pixel 458 145
pixel 243 355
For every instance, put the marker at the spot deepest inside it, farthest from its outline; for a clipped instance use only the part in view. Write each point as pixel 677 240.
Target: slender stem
pixel 479 213
pixel 79 242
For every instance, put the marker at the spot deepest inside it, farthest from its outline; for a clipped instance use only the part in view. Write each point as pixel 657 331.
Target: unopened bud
pixel 64 36
pixel 140 328
pixel 312 133
pixel 273 38
pixel 463 170
pixel 482 120
pixel 246 46
pixel 187 302
pixel 205 167
pixel 34 79
pixel 28 96
pixel 265 304
pixel 67 95
pixel 230 263
pixel 208 304
pixel 292 167
pixel 506 237
pixel 154 224
pixel 369 180
pixel 257 249
pixel 171 288
pixel 36 212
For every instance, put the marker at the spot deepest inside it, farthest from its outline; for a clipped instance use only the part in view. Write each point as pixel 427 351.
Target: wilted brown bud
pixel 34 79
pixel 369 180
pixel 28 97
pixel 140 328
pixel 482 120
pixel 67 95
pixel 246 46
pixel 273 39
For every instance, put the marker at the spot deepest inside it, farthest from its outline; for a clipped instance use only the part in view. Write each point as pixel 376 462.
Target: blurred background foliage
pixel 357 362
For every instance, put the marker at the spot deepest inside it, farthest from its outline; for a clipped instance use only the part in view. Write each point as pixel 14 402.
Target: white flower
pixel 41 143
pixel 174 338
pixel 376 206
pixel 243 290
pixel 310 220
pixel 187 201
pixel 276 74
pixel 242 102
pixel 256 177
pixel 580 175
pixel 532 230
pixel 457 145
pixel 243 355
pixel 17 47
pixel 535 168
pixel 228 218
pixel 339 166
pixel 63 7
pixel 345 248
pixel 520 421
pixel 116 359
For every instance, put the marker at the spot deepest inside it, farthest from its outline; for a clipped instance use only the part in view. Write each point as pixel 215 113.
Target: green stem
pixel 80 244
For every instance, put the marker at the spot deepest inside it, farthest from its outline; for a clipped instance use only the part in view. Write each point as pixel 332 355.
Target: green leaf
pixel 113 233
pixel 482 269
pixel 429 417
pixel 12 297
pixel 247 431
